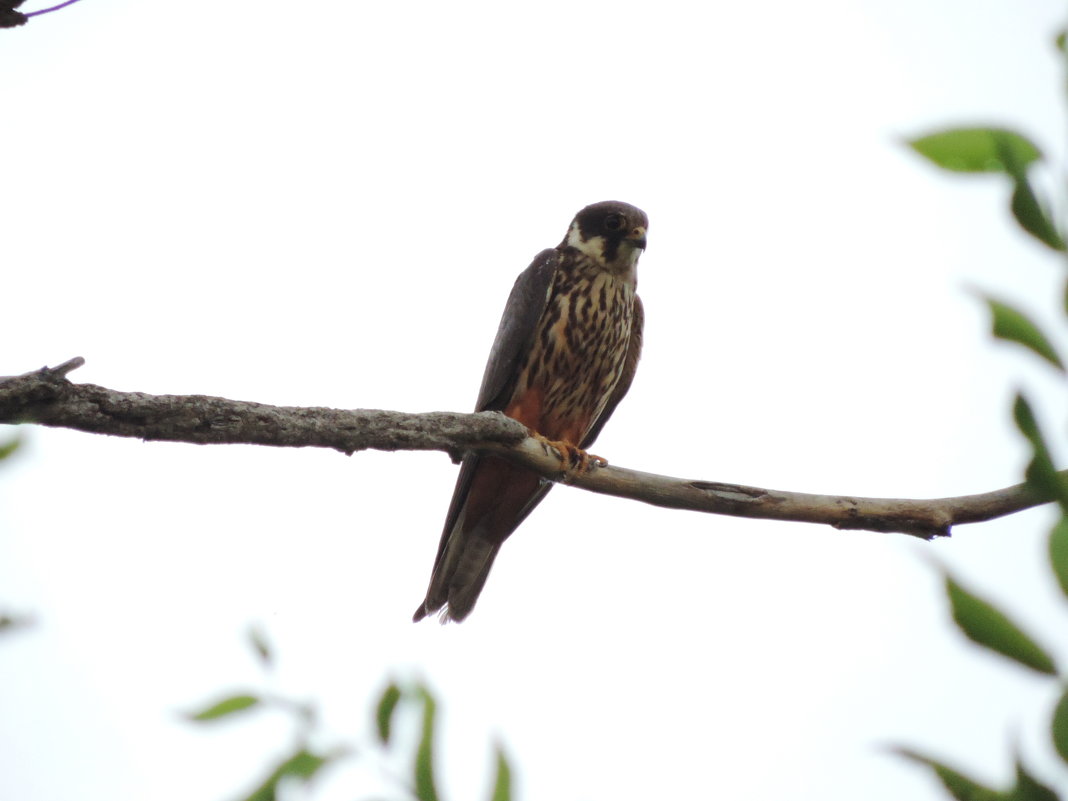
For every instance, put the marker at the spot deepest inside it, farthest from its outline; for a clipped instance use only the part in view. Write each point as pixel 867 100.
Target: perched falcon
pixel 564 357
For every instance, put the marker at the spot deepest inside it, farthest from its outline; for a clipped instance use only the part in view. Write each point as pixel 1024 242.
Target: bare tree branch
pixel 47 398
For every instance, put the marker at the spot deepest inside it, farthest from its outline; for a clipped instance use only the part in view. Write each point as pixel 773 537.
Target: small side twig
pixel 10 18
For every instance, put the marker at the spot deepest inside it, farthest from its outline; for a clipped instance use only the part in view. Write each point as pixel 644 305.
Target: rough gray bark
pixel 47 397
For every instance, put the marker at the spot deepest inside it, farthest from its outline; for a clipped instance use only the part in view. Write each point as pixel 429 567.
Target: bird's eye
pixel 614 222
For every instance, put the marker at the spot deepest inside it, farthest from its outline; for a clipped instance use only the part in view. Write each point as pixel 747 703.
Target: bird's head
pixel 611 233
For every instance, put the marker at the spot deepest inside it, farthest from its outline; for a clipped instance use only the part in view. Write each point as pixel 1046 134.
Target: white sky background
pixel 327 203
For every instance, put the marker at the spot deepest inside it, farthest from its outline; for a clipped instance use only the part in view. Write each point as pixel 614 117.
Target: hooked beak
pixel 637 238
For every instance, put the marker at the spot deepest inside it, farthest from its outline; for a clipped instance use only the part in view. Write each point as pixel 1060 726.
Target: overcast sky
pixel 326 204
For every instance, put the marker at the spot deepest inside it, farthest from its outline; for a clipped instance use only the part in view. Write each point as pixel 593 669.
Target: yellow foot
pixel 573 460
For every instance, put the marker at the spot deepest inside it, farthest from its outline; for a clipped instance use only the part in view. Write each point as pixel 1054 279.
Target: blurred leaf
pixel 985 624
pixel 1041 475
pixel 1028 788
pixel 225 707
pixel 267 791
pixel 1058 552
pixel 257 638
pixel 995 150
pixel 1013 325
pixel 977 150
pixel 302 764
pixel 502 785
pixel 425 789
pixel 9 447
pixel 12 622
pixel 387 704
pixel 1059 41
pixel 1031 215
pixel 1059 729
pixel 957 784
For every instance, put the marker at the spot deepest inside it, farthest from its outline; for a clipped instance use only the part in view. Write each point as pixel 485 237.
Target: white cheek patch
pixel 574 238
pixel 592 247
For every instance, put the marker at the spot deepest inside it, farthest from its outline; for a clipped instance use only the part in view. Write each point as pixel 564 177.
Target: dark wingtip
pixel 420 613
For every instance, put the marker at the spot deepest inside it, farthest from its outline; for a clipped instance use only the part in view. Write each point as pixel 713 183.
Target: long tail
pixel 459 578
pixel 491 499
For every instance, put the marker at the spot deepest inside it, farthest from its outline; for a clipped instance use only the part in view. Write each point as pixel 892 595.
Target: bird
pixel 564 356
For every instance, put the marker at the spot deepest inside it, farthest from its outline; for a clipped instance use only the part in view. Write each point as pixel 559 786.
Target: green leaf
pixel 995 150
pixel 9 447
pixel 1031 215
pixel 1060 40
pixel 302 764
pixel 261 646
pixel 1013 325
pixel 957 784
pixel 985 624
pixel 225 707
pixel 267 790
pixel 1028 788
pixel 1059 729
pixel 1041 475
pixel 978 150
pixel 1058 552
pixel 425 789
pixel 387 704
pixel 502 785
